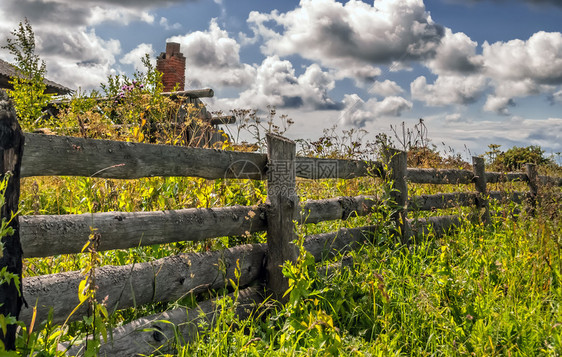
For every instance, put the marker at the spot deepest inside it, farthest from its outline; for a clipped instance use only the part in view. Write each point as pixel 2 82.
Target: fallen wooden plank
pixel 163 280
pixel 157 332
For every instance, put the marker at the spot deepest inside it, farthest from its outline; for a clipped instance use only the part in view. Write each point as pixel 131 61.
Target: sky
pixel 478 72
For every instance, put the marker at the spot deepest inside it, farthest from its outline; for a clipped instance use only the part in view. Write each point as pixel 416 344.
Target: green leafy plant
pixel 29 86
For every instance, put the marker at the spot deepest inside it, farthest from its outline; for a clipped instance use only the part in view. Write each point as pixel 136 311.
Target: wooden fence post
pixel 282 210
pixel 532 175
pixel 398 169
pixel 11 150
pixel 479 170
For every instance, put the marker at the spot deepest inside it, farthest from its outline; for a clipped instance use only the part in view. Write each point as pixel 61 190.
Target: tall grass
pixel 483 291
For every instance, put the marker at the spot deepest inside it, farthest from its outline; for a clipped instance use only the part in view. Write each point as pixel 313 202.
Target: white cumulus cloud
pixel 386 88
pixel 358 112
pixel 213 59
pixel 448 90
pixel 276 84
pixel 350 35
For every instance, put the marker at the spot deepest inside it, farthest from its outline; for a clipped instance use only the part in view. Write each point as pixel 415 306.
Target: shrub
pixel 29 87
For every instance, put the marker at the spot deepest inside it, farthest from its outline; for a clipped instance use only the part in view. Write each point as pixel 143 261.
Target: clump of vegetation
pixel 515 158
pixel 29 86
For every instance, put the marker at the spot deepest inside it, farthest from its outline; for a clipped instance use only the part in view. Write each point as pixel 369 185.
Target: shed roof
pixel 7 71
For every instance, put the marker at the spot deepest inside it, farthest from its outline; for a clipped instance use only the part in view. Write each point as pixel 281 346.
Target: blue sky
pixel 478 71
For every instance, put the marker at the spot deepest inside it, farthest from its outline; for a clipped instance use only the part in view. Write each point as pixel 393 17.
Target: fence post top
pixel 273 136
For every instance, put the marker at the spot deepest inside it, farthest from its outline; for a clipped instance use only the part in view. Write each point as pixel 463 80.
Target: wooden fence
pixel 171 278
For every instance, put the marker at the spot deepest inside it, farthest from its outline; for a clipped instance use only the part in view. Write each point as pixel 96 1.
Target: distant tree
pixel 493 153
pixel 29 86
pixel 514 158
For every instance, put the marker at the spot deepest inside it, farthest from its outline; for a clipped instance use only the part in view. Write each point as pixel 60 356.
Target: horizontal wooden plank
pixel 315 211
pixel 439 176
pixel 50 155
pixel 318 168
pixel 442 201
pixel 192 93
pixel 440 225
pixel 327 245
pixel 516 197
pixel 548 180
pixel 145 335
pixel 170 278
pixel 166 279
pixel 45 235
pixel 48 235
pixel 495 177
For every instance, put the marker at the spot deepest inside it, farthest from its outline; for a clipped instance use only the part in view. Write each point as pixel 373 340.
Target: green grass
pixel 481 291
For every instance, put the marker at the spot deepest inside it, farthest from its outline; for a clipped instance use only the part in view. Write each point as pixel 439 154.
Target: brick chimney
pixel 172 65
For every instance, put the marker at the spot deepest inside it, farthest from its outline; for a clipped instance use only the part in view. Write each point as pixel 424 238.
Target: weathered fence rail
pixel 169 279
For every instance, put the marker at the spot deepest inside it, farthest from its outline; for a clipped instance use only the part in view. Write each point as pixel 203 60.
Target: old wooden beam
pixel 532 175
pixel 442 201
pixel 328 209
pixel 282 211
pixel 396 178
pixel 328 245
pixel 156 333
pixel 495 177
pixel 11 150
pixel 49 155
pixel 439 225
pixel 163 280
pixel 319 168
pixel 47 235
pixel 192 93
pixel 479 170
pixel 440 176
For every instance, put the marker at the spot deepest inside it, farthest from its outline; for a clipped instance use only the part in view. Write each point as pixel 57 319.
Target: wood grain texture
pixel 327 245
pixel 439 176
pixel 282 209
pixel 11 150
pixel 495 177
pixel 49 155
pixel 439 226
pixel 315 211
pixel 479 170
pixel 45 235
pixel 166 279
pixel 502 196
pixel 145 335
pixel 442 201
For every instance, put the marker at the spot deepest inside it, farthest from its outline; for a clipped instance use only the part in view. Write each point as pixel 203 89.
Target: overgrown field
pixel 482 290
